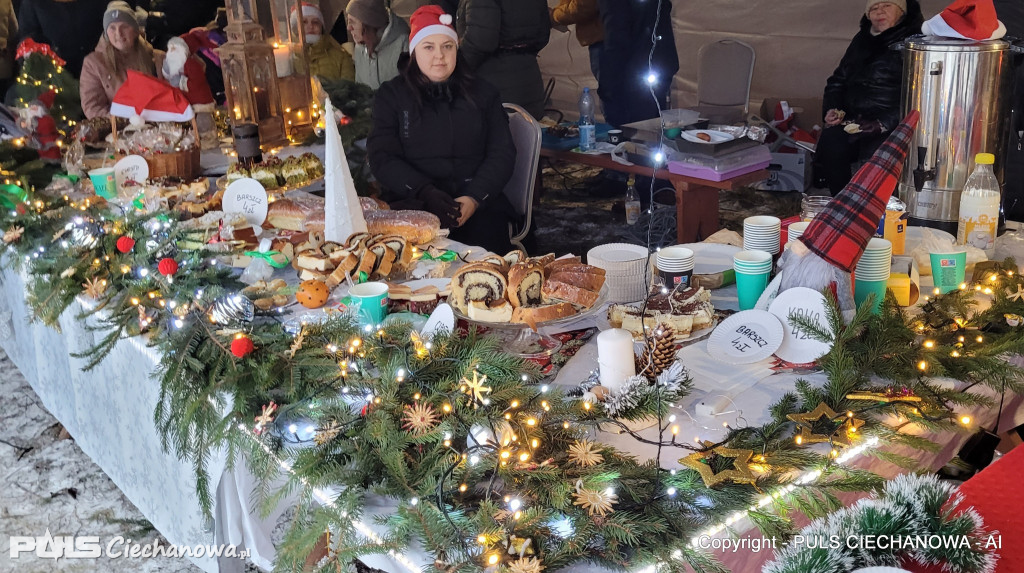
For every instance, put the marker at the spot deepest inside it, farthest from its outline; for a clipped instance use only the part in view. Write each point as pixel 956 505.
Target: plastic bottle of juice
pixel 979 206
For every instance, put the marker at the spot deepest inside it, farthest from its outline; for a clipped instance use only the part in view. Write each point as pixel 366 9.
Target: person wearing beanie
pixel 379 39
pixel 500 40
pixel 121 48
pixel 440 140
pixel 70 27
pixel 326 58
pixel 862 97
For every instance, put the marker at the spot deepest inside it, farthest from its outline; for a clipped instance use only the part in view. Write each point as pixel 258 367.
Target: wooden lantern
pixel 264 67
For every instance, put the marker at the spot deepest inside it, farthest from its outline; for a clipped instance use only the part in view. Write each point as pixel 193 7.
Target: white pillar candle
pixel 615 357
pixel 283 60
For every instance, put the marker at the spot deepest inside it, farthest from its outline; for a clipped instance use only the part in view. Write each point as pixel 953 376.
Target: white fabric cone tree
pixel 343 213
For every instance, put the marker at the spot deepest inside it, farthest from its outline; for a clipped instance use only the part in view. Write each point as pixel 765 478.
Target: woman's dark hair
pixel 460 82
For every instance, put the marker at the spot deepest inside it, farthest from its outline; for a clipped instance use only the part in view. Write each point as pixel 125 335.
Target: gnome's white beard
pixel 802 267
pixel 174 65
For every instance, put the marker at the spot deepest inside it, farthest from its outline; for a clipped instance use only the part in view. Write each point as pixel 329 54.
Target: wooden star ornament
pixel 475 389
pixel 701 463
pixel 846 425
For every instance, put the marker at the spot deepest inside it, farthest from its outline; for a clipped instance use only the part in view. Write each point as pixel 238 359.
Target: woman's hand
pixel 834 116
pixel 441 204
pixel 467 206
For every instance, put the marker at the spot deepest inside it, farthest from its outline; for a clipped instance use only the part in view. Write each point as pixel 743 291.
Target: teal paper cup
pixel 948 270
pixel 103 181
pixel 863 289
pixel 372 300
pixel 749 287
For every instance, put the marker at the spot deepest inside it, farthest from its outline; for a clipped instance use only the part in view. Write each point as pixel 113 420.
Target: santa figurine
pixel 37 120
pixel 824 257
pixel 185 71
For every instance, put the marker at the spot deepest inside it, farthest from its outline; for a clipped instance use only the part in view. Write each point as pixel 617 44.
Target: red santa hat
pixel 427 21
pixel 308 11
pixel 151 99
pixel 46 98
pixel 842 230
pixel 967 20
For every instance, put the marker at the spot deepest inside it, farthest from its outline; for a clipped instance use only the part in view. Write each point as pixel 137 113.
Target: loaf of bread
pixel 419 227
pixel 500 311
pixel 544 260
pixel 345 262
pixel 524 284
pixel 372 204
pixel 402 248
pixel 367 260
pixel 554 291
pixel 589 281
pixel 302 213
pixel 516 256
pixel 482 282
pixel 534 315
pixel 385 260
pixel 497 261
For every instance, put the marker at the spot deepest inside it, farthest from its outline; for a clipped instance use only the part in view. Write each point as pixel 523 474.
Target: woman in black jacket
pixel 862 98
pixel 440 140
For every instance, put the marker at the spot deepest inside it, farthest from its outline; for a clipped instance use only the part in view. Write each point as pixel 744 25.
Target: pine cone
pixel 659 353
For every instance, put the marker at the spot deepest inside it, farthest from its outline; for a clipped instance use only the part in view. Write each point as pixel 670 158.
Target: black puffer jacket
pixel 869 79
pixel 460 146
pixel 500 39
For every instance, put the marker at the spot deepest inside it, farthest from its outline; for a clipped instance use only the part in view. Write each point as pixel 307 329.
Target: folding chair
pixel 520 188
pixel 723 83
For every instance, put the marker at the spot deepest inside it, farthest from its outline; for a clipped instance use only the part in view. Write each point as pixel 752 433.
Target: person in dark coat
pixel 500 40
pixel 441 141
pixel 1011 14
pixel 70 27
pixel 862 97
pixel 624 91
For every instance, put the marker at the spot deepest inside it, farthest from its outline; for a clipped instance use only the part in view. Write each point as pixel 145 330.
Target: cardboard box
pixel 787 172
pixel 806 111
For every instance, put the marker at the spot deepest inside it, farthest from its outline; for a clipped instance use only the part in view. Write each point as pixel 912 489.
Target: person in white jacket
pixel 380 40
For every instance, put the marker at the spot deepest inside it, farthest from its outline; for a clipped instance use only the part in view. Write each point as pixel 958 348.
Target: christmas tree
pixel 43 70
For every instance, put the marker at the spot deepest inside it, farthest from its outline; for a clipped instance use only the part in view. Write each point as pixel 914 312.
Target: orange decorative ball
pixel 312 294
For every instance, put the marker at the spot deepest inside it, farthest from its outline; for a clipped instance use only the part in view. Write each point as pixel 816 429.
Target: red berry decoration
pixel 167 267
pixel 125 244
pixel 241 346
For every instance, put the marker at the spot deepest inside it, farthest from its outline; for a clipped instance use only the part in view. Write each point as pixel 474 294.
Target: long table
pixel 696 199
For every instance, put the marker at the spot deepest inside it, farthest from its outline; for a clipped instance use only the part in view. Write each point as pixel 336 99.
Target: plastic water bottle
pixel 588 131
pixel 979 207
pixel 632 202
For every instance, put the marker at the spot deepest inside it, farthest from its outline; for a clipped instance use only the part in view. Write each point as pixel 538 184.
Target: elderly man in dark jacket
pixel 862 97
pixel 500 40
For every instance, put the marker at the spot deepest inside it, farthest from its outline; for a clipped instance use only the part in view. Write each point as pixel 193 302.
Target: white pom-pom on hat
pixel 445 19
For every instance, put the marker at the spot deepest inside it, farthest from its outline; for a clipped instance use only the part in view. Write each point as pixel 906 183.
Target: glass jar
pixel 811 205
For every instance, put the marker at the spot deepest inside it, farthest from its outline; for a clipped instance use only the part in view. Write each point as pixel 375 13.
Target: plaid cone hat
pixel 840 233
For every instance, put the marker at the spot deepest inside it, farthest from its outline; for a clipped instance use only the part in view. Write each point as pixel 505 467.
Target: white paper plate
pixel 746 337
pixel 797 346
pixel 441 320
pixel 716 136
pixel 616 253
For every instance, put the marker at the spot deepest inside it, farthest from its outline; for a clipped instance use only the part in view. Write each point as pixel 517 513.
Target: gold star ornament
pixel 597 503
pixel 94 287
pixel 13 234
pixel 1016 296
pixel 419 419
pixel 327 433
pixel 475 389
pixel 845 425
pixel 525 565
pixel 584 454
pixel 740 472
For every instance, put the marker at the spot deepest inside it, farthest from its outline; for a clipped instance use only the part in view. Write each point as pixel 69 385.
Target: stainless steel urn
pixel 962 91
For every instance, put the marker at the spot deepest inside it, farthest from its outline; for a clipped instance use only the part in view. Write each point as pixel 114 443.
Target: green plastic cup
pixel 948 270
pixel 372 301
pixel 750 286
pixel 103 181
pixel 863 289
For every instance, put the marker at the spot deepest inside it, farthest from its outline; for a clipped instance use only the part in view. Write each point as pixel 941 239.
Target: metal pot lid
pixel 941 44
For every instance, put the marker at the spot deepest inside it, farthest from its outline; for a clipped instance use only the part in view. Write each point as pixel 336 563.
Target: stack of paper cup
pixel 796 230
pixel 753 269
pixel 675 266
pixel 624 267
pixel 762 233
pixel 872 272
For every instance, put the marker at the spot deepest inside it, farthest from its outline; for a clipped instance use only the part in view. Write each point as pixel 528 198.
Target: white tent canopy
pixel 798 45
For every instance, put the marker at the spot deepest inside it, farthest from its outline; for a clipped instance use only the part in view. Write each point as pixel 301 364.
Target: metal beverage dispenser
pixel 962 90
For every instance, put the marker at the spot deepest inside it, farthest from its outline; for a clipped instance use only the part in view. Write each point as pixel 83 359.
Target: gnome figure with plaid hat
pixel 824 257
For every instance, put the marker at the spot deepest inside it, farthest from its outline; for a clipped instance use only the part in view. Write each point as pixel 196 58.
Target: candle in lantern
pixel 615 357
pixel 283 60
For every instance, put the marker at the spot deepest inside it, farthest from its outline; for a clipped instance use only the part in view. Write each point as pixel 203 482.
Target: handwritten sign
pixel 131 168
pixel 248 197
pixel 798 345
pixel 746 337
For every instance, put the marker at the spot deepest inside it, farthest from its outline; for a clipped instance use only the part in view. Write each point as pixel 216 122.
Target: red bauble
pixel 125 244
pixel 241 346
pixel 167 267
